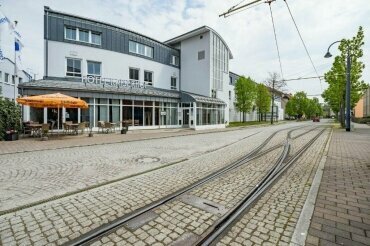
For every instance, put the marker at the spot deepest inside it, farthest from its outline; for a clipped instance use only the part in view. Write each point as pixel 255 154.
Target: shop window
pixel 94 68
pixel 148 77
pixel 134 73
pixel 73 67
pixel 173 83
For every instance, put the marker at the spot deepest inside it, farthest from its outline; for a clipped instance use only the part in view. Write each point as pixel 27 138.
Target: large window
pixel 175 60
pixel 70 33
pixel 83 35
pixel 96 38
pixel 134 74
pixel 94 68
pixel 210 114
pixel 140 49
pixel 173 83
pixel 148 77
pixel 6 79
pixel 73 67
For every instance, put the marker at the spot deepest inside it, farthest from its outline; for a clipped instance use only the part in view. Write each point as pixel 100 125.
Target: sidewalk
pixel 56 142
pixel 342 209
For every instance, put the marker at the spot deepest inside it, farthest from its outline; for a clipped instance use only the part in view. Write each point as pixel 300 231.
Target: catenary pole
pixel 348 91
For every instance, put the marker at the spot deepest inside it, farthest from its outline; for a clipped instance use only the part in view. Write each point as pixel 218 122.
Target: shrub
pixel 10 117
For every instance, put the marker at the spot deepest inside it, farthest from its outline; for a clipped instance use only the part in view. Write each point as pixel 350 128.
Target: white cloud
pixel 248 33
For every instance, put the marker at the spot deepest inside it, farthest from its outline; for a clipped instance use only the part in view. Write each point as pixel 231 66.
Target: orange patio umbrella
pixel 56 100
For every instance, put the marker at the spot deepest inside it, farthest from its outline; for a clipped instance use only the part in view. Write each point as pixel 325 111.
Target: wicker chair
pixel 81 127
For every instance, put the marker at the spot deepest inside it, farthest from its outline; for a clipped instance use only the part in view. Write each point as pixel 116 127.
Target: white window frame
pixel 78 35
pixel 138 47
pixel 87 68
pixel 65 33
pixel 66 65
pixel 95 33
pixel 173 60
pixel 149 82
pixel 88 36
pixel 173 87
pixel 6 78
pixel 1 76
pixel 137 73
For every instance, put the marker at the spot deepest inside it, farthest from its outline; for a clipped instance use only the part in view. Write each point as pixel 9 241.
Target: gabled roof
pixel 195 32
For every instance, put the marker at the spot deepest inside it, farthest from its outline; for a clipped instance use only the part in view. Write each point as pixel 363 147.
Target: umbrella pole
pixel 58 120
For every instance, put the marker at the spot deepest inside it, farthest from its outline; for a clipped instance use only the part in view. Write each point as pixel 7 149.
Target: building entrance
pixel 185 117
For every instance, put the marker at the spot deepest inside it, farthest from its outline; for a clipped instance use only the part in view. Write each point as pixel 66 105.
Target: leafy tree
pixel 298 104
pixel 263 98
pixel 10 116
pixel 311 109
pixel 334 95
pixel 290 109
pixel 245 93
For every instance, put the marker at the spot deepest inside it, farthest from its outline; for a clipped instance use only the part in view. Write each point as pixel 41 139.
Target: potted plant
pixel 10 120
pixel 11 135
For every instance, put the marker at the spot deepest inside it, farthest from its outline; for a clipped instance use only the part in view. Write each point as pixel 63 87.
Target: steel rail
pixel 86 238
pixel 223 224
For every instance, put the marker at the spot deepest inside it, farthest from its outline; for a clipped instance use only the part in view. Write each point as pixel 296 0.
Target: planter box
pixel 11 136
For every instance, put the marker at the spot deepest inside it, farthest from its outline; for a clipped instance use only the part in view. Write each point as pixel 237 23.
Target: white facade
pixel 8 81
pixel 113 64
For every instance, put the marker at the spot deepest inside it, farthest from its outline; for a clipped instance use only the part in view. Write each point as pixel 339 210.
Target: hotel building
pixel 128 77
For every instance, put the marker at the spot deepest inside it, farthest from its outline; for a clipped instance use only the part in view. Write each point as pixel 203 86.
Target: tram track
pixel 256 153
pixel 218 229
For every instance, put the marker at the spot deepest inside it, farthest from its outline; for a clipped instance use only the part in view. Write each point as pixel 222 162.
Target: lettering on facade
pixel 113 82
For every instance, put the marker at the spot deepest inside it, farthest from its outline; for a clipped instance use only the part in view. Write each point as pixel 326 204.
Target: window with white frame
pixel 13 79
pixel 70 33
pixel 6 78
pixel 173 83
pixel 96 38
pixel 148 77
pixel 93 68
pixel 140 49
pixel 20 80
pixel 134 74
pixel 229 95
pixel 73 67
pixel 1 76
pixel 175 60
pixel 83 35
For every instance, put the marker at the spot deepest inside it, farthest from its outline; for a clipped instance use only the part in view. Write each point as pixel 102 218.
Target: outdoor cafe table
pixel 73 127
pixel 35 129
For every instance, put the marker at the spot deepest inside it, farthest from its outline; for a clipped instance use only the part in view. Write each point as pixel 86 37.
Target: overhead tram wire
pixel 276 42
pixel 304 45
pixel 243 7
pixel 240 10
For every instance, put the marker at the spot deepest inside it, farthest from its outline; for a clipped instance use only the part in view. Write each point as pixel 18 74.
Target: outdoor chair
pixel 101 125
pixel 66 128
pixel 45 129
pixel 26 127
pixel 81 127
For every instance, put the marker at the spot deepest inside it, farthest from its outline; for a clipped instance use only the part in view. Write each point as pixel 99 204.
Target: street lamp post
pixel 348 85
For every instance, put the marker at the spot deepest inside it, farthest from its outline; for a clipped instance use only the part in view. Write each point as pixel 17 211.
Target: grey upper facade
pixel 113 38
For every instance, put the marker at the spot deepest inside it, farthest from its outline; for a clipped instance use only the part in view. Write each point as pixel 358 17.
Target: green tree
pixel 10 116
pixel 311 109
pixel 245 93
pixel 290 109
pixel 263 99
pixel 299 102
pixel 334 95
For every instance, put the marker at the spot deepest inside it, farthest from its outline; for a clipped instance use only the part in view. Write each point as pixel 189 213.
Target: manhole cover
pixel 147 160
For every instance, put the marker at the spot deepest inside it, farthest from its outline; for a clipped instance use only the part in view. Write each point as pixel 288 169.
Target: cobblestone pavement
pixel 34 144
pixel 272 219
pixel 223 192
pixel 64 219
pixel 30 177
pixel 298 143
pixel 342 209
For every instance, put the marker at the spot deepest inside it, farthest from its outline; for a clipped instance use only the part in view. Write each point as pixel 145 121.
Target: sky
pixel 249 34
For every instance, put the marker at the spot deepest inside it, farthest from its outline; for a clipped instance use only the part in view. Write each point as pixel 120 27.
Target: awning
pixel 190 97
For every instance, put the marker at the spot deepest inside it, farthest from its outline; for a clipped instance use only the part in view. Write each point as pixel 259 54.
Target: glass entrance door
pixel 185 117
